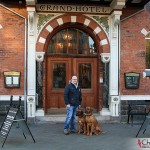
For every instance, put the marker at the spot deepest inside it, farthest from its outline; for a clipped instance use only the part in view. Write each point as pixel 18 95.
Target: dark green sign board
pixel 132 80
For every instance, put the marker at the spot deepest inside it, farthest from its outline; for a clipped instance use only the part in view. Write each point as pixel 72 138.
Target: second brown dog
pixel 92 123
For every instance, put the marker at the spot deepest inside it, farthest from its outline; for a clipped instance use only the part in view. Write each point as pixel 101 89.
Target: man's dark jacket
pixel 72 95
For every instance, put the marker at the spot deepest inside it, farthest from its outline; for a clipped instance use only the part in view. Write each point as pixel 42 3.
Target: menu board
pixel 12 79
pixel 132 80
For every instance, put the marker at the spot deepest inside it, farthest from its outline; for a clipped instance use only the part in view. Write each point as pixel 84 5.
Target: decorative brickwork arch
pixel 83 20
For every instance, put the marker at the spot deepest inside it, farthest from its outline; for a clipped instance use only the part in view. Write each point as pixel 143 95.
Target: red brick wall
pixel 133 48
pixel 11 48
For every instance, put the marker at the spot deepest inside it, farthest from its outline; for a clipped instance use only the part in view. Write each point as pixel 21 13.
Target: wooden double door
pixel 59 74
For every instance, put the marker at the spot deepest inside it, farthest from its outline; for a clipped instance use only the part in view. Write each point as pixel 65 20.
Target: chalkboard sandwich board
pixel 6 126
pixel 14 115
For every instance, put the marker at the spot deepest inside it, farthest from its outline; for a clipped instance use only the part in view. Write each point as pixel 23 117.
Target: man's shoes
pixel 73 131
pixel 66 132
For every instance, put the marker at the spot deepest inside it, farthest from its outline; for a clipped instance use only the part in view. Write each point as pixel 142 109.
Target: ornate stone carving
pixel 105 57
pixel 40 56
pixel 103 21
pixel 39 79
pixel 43 19
pixel 31 23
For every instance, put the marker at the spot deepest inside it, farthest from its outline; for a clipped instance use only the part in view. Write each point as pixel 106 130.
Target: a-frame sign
pixel 14 115
pixel 144 125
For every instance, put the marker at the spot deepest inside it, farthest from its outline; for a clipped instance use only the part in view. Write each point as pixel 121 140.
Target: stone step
pixel 60 118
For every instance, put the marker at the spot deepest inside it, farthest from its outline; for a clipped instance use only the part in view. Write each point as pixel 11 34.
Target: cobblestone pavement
pixel 50 136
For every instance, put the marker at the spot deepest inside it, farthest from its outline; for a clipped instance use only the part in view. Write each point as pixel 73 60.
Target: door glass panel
pixel 52 46
pixel 83 46
pixel 59 75
pixel 148 51
pixel 85 75
pixel 61 48
pixel 92 46
pixel 72 41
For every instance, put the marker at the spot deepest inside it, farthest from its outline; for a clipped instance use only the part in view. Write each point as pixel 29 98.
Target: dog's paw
pixel 90 134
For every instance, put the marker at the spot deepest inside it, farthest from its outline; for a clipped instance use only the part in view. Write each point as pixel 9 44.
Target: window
pixel 72 41
pixel 59 75
pixel 85 75
pixel 148 51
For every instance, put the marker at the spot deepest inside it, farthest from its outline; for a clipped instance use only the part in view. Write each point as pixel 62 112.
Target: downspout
pixel 119 49
pixel 25 71
pixel 119 58
pixel 25 63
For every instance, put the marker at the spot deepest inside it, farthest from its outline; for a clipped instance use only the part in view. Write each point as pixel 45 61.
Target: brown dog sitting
pixel 81 121
pixel 92 123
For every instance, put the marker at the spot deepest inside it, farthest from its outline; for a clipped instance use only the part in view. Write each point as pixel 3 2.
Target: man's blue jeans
pixel 70 118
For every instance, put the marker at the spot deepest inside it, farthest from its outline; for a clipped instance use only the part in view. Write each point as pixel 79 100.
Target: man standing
pixel 73 98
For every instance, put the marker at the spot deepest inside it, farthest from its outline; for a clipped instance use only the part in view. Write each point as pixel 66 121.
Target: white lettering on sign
pixel 10 117
pixel 11 111
pixel 6 125
pixel 73 8
pixel 3 133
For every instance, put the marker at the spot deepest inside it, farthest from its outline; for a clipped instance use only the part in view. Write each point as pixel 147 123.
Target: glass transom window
pixel 72 41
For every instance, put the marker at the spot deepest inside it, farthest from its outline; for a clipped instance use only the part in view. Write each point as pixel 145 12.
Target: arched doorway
pixel 71 51
pixel 99 36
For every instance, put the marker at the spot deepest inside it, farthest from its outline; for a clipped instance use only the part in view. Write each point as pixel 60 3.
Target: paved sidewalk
pixel 49 136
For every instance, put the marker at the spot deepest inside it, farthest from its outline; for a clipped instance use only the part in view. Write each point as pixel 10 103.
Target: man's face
pixel 74 80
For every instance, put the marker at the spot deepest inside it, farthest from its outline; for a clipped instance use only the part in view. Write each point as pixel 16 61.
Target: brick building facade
pixel 119 34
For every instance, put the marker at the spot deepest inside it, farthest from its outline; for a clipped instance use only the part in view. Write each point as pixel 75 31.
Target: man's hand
pixel 68 105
